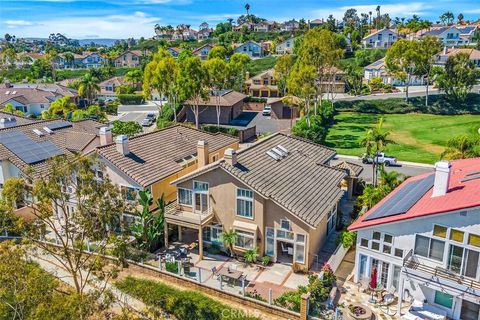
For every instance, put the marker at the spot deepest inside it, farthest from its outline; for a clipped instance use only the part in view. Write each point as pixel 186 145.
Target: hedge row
pixel 130 98
pixel 181 304
pixel 213 128
pixel 438 104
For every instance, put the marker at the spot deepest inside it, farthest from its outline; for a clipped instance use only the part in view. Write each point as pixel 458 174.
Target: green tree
pixel 69 59
pixel 129 128
pixel 229 238
pixel 217 80
pixel 390 179
pixel 193 78
pixel 371 196
pixel 462 147
pixel 458 77
pixel 60 108
pixel 218 52
pixel 134 76
pixel 301 83
pixel 425 59
pixel 237 70
pixel 88 87
pixel 282 69
pixel 97 214
pixel 401 61
pixel 447 18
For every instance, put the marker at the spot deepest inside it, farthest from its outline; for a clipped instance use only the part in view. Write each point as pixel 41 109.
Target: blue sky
pixel 136 18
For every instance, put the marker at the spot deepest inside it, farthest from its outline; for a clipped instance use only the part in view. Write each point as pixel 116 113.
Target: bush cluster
pixel 130 98
pixel 214 129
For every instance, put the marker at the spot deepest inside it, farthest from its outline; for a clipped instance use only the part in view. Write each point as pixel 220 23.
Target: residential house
pixel 204 32
pixel 89 60
pixel 383 38
pixel 252 48
pixel 230 103
pixel 442 57
pixel 26 59
pixel 202 52
pixel 26 147
pixel 451 36
pixel 108 88
pixel 315 23
pixel 264 26
pixel 185 35
pixel 333 81
pixel 246 25
pixel 130 58
pixel 279 195
pixel 262 85
pixel 423 239
pixel 134 164
pixel 8 120
pixel 290 25
pixel 174 51
pixel 281 110
pixel 33 99
pixel 378 69
pixel 286 47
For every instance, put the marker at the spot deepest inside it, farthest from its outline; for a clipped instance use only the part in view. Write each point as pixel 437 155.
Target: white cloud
pixel 473 11
pixel 122 26
pixel 16 23
pixel 394 10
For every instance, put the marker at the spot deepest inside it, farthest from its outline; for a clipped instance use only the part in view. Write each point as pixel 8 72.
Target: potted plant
pixel 265 260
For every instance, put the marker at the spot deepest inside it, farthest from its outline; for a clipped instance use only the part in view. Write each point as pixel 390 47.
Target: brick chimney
pixel 122 144
pixel 105 136
pixel 230 156
pixel 202 153
pixel 442 178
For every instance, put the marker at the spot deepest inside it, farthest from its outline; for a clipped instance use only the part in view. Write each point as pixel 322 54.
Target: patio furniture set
pixel 229 275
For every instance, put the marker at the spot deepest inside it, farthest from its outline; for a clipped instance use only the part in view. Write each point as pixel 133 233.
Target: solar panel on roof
pixel 59 125
pixel 403 199
pixel 28 150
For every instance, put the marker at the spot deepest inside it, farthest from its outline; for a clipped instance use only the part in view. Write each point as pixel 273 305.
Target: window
pixel 245 203
pixel 285 224
pixel 474 240
pixel 364 243
pixel 387 238
pixel 463 261
pixel 440 231
pixel 282 234
pixel 245 239
pixel 399 253
pixel 396 276
pixel 376 235
pixel 129 193
pixel 443 299
pixel 387 249
pixel 185 197
pixel 270 242
pixel 429 248
pixel 300 248
pixel 375 246
pixel 200 186
pixel 456 235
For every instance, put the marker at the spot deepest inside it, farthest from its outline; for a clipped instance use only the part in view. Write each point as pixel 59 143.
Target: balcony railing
pixel 175 215
pixel 411 262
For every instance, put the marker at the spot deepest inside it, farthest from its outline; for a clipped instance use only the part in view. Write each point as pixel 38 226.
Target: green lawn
pixel 418 137
pixel 255 66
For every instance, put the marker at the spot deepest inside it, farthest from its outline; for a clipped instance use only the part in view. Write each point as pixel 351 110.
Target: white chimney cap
pixel 104 130
pixel 202 142
pixel 443 164
pixel 121 138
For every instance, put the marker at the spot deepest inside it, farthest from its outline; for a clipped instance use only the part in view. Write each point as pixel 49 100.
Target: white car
pixel 146 122
pixel 379 159
pixel 267 111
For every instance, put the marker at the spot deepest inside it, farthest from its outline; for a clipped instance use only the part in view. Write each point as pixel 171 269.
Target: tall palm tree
pixel 247 7
pixel 375 141
pixel 378 16
pixel 69 58
pixel 88 87
pixel 462 147
pixel 134 77
pixel 370 14
pixel 391 179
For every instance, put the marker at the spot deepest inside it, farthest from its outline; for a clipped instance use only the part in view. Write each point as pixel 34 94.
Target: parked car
pixel 146 122
pixel 151 116
pixel 267 111
pixel 379 159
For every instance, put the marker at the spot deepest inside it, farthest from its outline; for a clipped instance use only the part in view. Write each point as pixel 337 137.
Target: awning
pixel 245 225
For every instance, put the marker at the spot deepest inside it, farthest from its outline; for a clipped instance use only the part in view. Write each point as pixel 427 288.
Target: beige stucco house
pixel 279 195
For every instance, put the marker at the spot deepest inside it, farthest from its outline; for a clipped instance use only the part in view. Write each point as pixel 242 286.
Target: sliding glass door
pixel 463 261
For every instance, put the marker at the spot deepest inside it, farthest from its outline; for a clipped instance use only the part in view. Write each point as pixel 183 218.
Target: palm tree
pixel 370 14
pixel 88 87
pixel 391 179
pixel 247 7
pixel 378 16
pixel 134 77
pixel 229 238
pixel 375 141
pixel 462 147
pixel 69 58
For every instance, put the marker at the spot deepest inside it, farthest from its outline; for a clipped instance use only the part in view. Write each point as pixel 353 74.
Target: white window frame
pixel 191 197
pixel 241 233
pixel 445 243
pixel 200 191
pixel 246 199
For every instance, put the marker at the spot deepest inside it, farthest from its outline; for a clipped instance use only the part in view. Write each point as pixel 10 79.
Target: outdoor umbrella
pixel 373 280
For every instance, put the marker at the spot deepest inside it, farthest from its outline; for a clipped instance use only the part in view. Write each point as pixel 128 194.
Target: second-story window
pixel 185 197
pixel 429 248
pixel 129 193
pixel 245 203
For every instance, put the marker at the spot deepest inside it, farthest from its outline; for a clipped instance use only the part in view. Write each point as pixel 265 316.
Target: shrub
pixel 214 129
pixel 265 260
pixel 179 303
pixel 255 295
pixel 171 267
pixel 130 128
pixel 347 239
pixel 251 255
pixel 315 132
pixel 130 98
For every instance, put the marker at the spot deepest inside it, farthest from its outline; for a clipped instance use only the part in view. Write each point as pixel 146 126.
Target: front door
pixel 201 203
pixel 470 311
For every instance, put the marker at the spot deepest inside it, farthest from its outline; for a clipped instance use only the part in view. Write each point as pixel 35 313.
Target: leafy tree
pixel 229 238
pixel 282 69
pixel 96 215
pixel 347 239
pixel 351 19
pixel 462 147
pixel 134 77
pixel 401 61
pixel 148 229
pixel 447 18
pixel 301 82
pixel 129 128
pixel 372 195
pixel 193 77
pixel 425 59
pixel 390 179
pixel 375 141
pixel 92 112
pixel 124 89
pixel 60 108
pixel 217 80
pixel 458 77
pixel 460 18
pixel 251 255
pixel 237 70
pixel 42 69
pixel 88 87
pixel 218 52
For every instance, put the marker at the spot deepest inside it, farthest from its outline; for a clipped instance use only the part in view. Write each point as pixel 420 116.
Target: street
pixel 408 169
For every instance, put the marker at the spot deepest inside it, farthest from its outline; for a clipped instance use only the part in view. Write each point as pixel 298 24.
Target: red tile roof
pixel 462 194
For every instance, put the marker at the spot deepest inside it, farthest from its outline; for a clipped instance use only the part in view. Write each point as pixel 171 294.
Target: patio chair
pixel 215 272
pixel 284 247
pixel 290 251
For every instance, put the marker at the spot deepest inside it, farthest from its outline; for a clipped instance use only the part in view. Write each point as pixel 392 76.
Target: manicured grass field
pixel 255 66
pixel 418 137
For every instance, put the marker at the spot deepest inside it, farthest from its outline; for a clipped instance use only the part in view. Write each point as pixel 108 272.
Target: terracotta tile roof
pixel 79 138
pixel 462 194
pixel 474 54
pixel 34 93
pixel 301 182
pixel 157 155
pixel 20 120
pixel 352 169
pixel 228 98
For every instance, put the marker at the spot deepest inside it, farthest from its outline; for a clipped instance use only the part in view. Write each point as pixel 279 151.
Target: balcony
pixel 440 275
pixel 175 215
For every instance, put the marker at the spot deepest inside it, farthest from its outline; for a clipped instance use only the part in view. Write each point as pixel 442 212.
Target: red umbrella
pixel 373 280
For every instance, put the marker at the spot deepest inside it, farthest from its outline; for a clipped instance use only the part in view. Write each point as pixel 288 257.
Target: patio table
pixel 231 274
